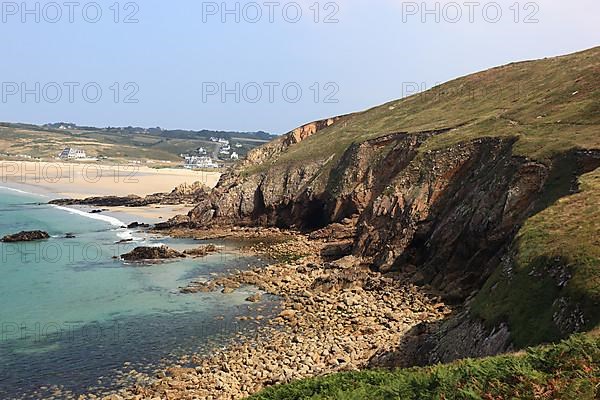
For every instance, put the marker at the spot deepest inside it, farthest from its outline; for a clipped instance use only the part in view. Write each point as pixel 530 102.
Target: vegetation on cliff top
pixel 567 370
pixel 555 272
pixel 550 105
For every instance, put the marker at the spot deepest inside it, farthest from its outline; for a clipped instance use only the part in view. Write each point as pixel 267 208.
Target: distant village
pixel 201 159
pixel 224 152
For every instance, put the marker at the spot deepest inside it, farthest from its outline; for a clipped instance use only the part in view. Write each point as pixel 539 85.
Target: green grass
pixel 567 370
pixel 562 239
pixel 550 105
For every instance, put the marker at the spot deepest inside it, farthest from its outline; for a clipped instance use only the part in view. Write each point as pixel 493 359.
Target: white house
pixel 235 156
pixel 71 153
pixel 193 162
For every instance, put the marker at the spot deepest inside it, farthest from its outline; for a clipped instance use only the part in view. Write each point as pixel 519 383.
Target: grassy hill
pixel 115 143
pixel 550 105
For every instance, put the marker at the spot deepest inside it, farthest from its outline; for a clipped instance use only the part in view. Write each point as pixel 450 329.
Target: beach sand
pixel 148 215
pixel 81 180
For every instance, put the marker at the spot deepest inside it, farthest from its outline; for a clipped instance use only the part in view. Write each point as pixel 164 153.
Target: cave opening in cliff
pixel 315 216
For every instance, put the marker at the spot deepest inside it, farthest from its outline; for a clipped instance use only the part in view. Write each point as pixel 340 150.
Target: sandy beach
pixel 79 180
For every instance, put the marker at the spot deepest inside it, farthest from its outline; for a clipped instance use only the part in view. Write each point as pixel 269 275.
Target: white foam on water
pixel 126 235
pixel 111 220
pixel 122 233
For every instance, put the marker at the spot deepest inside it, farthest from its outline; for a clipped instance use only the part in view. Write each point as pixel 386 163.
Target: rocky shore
pixel 334 316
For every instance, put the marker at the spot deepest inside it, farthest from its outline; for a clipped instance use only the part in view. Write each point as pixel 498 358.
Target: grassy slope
pixel 563 238
pixel 568 370
pixel 532 100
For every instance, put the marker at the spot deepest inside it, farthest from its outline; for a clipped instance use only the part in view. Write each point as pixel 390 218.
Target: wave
pixel 111 220
pixel 122 232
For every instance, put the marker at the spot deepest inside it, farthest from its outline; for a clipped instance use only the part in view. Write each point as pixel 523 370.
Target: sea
pixel 75 319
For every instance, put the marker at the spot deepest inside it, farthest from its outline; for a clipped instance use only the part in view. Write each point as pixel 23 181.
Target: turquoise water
pixel 70 313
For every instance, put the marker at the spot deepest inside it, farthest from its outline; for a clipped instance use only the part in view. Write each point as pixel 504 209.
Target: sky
pixel 265 65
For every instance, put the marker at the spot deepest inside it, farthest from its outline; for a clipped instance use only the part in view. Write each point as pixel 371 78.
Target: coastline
pixel 335 316
pixel 160 282
pixel 78 181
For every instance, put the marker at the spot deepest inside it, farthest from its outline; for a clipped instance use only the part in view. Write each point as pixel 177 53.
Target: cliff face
pixel 272 150
pixel 448 214
pixel 447 217
pixel 435 188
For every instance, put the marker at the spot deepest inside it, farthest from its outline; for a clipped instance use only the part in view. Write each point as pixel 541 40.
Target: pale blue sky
pixel 171 52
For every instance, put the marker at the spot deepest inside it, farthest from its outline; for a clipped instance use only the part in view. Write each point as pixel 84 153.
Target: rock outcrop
pixel 24 236
pixel 183 194
pixel 152 253
pixel 444 342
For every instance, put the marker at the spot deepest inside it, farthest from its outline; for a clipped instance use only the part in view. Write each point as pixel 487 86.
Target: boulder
pixel 26 237
pixel 152 253
pixel 255 298
pixel 134 225
pixel 337 250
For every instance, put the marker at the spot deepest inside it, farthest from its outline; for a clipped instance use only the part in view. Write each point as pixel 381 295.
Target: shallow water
pixel 71 315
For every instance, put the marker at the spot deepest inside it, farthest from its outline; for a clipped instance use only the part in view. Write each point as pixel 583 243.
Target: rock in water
pixel 136 224
pixel 152 253
pixel 255 298
pixel 201 251
pixel 26 237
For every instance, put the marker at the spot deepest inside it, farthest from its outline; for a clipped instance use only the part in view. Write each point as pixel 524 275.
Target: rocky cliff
pixel 439 193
